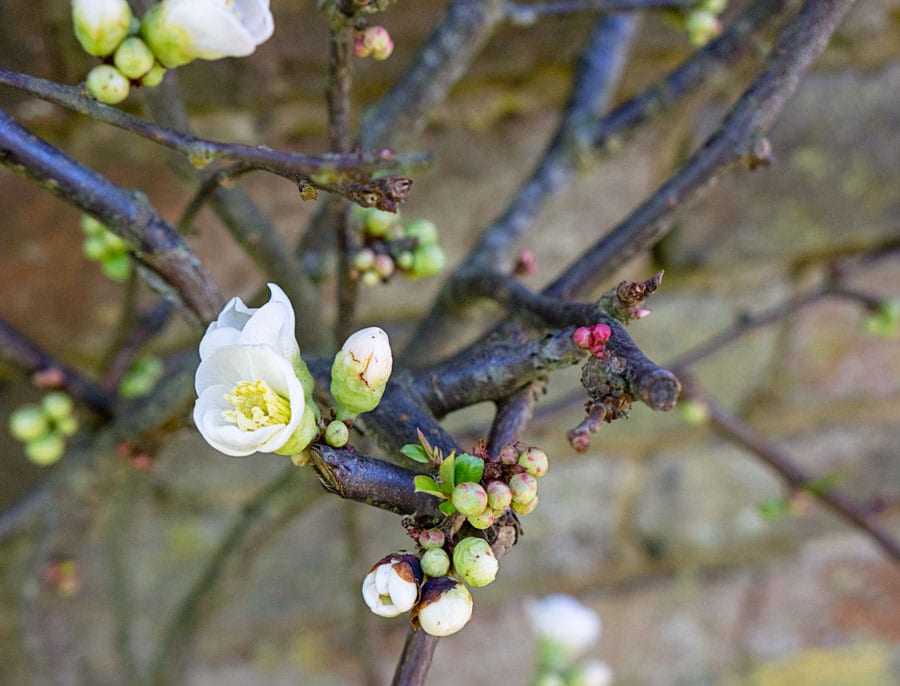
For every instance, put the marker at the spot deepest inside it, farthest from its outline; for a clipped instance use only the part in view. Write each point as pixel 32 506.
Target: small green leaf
pixel 425 484
pixel 468 468
pixel 415 452
pixel 447 508
pixel 826 483
pixel 774 508
pixel 445 474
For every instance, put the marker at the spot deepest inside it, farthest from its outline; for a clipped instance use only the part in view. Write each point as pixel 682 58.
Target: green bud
pixel 153 77
pixel 360 371
pixel 337 434
pixel 106 84
pixel 474 561
pixel 370 278
pixel 117 268
pixel 67 426
pixel 428 260
pixel 499 495
pixel 133 58
pixel 100 25
pixel 534 461
pixel 28 423
pixel 405 260
pixel 432 538
pixel 435 562
pixel 94 248
pixel 378 222
pixel 364 259
pixel 91 226
pixel 422 229
pixel 141 377
pixel 114 243
pixel 384 266
pixel 693 412
pixel 701 27
pixel 46 450
pixel 469 498
pixel 482 520
pixel 523 487
pixel 57 405
pixel 525 508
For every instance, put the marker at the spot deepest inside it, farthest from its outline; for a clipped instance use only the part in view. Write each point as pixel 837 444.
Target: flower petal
pixel 273 324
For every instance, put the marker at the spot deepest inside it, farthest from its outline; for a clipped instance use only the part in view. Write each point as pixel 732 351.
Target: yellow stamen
pixel 256 405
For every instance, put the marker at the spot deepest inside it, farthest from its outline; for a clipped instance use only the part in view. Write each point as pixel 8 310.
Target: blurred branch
pixel 147 327
pixel 151 241
pixel 526 14
pixel 513 415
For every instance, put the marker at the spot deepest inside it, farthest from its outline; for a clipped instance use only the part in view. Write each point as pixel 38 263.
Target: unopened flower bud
pixel 701 27
pixel 57 404
pixel 509 455
pixel 384 266
pixel 499 495
pixel 435 562
pixel 428 260
pixel 475 562
pixel 405 260
pixel 534 461
pixel 423 230
pixel 525 508
pixel 28 423
pixel 361 371
pixel 100 25
pixel 483 520
pixel 117 268
pixel 364 259
pixel 392 586
pixel 445 607
pixel 523 487
pixel 431 538
pixel 693 412
pixel 67 426
pixel 153 77
pixel 133 58
pixel 377 43
pixel 45 450
pixel 469 498
pixel 337 434
pixel 379 222
pixel 106 84
pixel 370 278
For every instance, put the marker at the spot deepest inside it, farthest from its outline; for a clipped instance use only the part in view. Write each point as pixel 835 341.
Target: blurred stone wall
pixel 658 527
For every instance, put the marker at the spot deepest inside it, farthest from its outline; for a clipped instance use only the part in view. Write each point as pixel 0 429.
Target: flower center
pixel 256 405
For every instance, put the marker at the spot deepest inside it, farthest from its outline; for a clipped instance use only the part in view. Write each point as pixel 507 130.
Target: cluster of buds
pixel 482 488
pixel 388 246
pixel 702 23
pixel 172 33
pixel 43 427
pixel 593 338
pixel 106 248
pixel 374 42
pixel 141 377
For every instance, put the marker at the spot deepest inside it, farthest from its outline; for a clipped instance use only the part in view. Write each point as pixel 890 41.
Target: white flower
pixel 445 607
pixel 564 621
pixel 254 391
pixel 392 587
pixel 100 25
pixel 594 673
pixel 180 31
pixel 361 371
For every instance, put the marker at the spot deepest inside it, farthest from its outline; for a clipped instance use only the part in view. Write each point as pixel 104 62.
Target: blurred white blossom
pixel 565 622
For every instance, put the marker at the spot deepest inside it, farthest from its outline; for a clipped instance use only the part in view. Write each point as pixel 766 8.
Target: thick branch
pixel 155 244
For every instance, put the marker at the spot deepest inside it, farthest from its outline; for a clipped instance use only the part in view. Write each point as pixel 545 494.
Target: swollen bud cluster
pixel 172 33
pixel 387 246
pixel 374 42
pixel 43 428
pixel 103 246
pixel 702 23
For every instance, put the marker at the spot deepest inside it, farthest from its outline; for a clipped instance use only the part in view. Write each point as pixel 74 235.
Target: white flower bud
pixel 392 586
pixel 361 371
pixel 133 58
pixel 565 622
pixel 445 607
pixel 100 25
pixel 180 31
pixel 475 562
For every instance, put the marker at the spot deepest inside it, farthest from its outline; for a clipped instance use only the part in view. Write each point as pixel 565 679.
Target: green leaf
pixel 447 507
pixel 468 468
pixel 445 474
pixel 415 452
pixel 826 483
pixel 425 484
pixel 774 508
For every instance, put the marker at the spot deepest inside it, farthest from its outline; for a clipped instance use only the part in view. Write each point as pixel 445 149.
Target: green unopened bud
pixel 405 260
pixel 117 268
pixel 153 77
pixel 482 520
pixel 106 84
pixel 534 461
pixel 45 450
pixel 57 405
pixel 428 260
pixel 701 27
pixel 435 562
pixel 384 266
pixel 28 423
pixel 337 434
pixel 100 25
pixel 67 425
pixel 379 222
pixel 475 562
pixel 693 412
pixel 141 377
pixel 133 58
pixel 525 508
pixel 423 230
pixel 432 538
pixel 361 371
pixel 94 248
pixel 499 495
pixel 523 487
pixel 91 226
pixel 364 259
pixel 469 498
pixel 370 278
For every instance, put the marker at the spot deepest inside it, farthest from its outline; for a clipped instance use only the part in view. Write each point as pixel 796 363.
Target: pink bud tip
pixel 582 337
pixel 641 313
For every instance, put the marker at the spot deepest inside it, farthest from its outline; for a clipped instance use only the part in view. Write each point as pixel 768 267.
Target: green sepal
pixel 468 468
pixel 415 452
pixel 446 473
pixel 425 484
pixel 447 508
pixel 774 508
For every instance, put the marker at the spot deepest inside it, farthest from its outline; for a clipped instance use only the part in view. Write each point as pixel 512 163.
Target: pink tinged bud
pixel 526 508
pixel 475 562
pixel 482 520
pixel 499 495
pixel 523 487
pixel 431 538
pixel 384 266
pixel 469 498
pixel 379 42
pixel 445 607
pixel 642 312
pixel 509 455
pixel 392 586
pixel 359 45
pixel 534 461
pixel 582 337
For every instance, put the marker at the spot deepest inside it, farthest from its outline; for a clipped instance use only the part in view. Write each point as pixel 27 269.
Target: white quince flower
pixel 360 371
pixel 392 587
pixel 100 25
pixel 254 390
pixel 444 608
pixel 180 31
pixel 564 621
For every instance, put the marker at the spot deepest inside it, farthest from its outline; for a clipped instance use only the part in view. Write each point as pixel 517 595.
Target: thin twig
pixel 526 14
